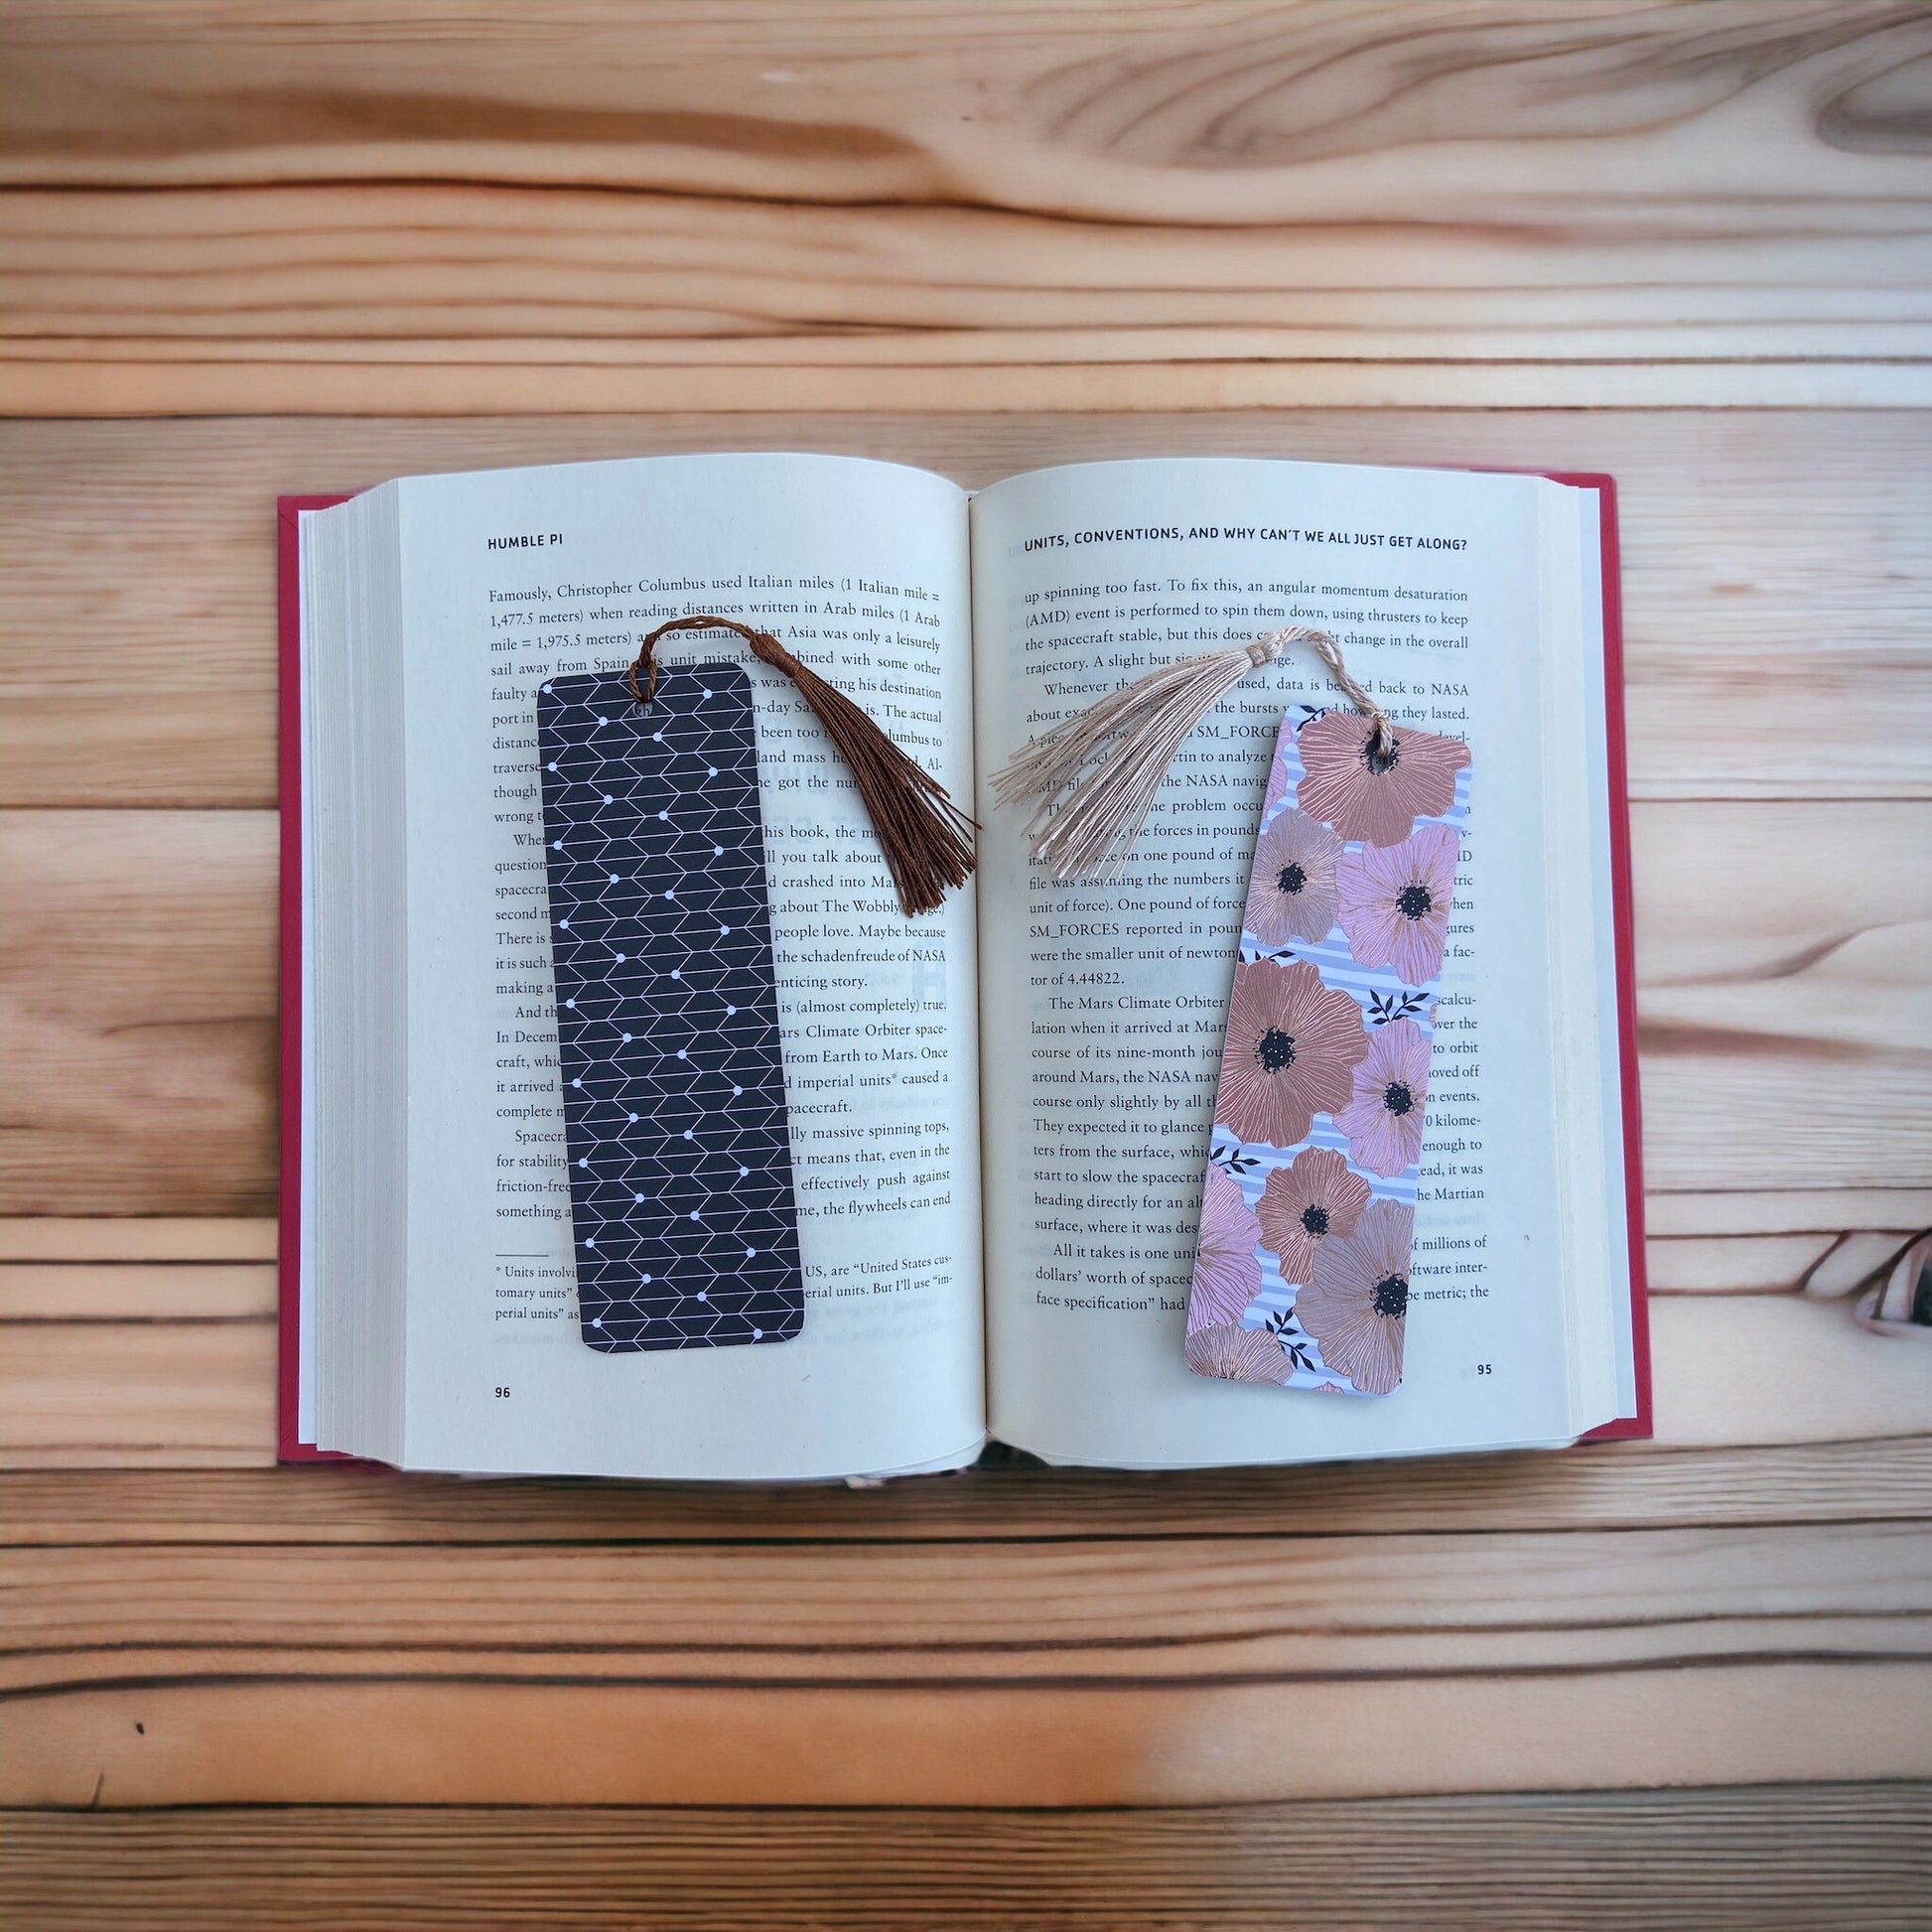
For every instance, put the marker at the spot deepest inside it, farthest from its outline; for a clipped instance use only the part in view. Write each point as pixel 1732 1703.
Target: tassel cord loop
pixel 926 839
pixel 1091 799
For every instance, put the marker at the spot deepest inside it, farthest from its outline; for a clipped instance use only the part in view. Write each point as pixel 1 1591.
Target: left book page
pixel 505 578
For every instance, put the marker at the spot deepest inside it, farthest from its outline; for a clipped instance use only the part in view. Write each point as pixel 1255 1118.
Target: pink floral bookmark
pixel 1307 1214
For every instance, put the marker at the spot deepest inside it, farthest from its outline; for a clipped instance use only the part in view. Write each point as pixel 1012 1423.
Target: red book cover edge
pixel 290 1449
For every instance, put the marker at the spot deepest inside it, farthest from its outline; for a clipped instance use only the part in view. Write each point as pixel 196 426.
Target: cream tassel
pixel 1085 827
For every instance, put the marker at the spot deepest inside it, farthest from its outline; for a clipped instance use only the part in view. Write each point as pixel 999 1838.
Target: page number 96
pixel 502 1391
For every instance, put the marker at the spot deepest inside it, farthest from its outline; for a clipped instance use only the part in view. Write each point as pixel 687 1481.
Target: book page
pixel 860 568
pixel 1103 1006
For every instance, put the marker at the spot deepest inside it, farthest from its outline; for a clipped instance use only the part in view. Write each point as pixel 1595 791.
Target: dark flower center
pixel 1412 901
pixel 1391 1297
pixel 1291 878
pixel 1378 760
pixel 1314 1220
pixel 1275 1049
pixel 1396 1098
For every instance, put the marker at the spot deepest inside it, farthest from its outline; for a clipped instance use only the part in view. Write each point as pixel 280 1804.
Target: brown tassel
pixel 926 837
pixel 1090 803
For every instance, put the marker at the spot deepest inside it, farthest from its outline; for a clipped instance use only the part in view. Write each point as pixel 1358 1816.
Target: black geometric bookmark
pixel 668 1023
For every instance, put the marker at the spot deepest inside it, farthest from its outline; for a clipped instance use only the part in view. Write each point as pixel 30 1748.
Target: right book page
pixel 1470 605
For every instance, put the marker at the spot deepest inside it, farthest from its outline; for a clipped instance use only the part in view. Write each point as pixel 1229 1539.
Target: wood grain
pixel 1776 571
pixel 118 1292
pixel 417 212
pixel 58 1238
pixel 1200 1611
pixel 320 1735
pixel 1500 231
pixel 1765 1859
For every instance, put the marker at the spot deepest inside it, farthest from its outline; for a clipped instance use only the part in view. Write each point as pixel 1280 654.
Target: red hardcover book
pixel 295 1442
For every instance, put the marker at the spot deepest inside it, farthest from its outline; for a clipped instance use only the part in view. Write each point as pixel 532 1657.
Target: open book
pixel 999 1112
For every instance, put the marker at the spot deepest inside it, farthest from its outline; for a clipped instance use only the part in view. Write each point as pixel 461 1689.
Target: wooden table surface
pixel 265 247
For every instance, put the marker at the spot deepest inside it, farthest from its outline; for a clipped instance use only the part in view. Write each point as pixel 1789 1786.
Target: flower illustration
pixel 1383 1121
pixel 1292 892
pixel 1372 795
pixel 1238 1354
pixel 1227 1277
pixel 1357 1306
pixel 1292 1044
pixel 1394 903
pixel 1306 1203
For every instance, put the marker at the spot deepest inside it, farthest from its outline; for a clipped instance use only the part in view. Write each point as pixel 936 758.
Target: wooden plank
pixel 137 1008
pixel 134 1237
pixel 454 381
pixel 1006 1499
pixel 1769 1368
pixel 1732 524
pixel 117 1292
pixel 1734 1264
pixel 137 1003
pixel 1203 1609
pixel 308 1738
pixel 1061 185
pixel 1731 1370
pixel 174 1395
pixel 1830 1211
pixel 1853 1857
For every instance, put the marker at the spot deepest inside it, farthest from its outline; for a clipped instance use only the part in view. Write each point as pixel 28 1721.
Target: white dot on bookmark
pixel 670 892
pixel 632 1119
pixel 583 1160
pixel 704 1294
pixel 613 878
pixel 607 799
pixel 564 924
pixel 717 851
pixel 737 1092
pixel 729 1011
pixel 750 1252
pixel 645 1279
pixel 546 690
pixel 677 972
pixel 627 1039
pixel 724 931
pixel 682 1055
pixel 688 1133
pixel 577 1083
pixel 694 1214
pixel 744 1173
pixel 570 1003
pixel 589 1241
pixel 662 816
pixel 657 737
pixel 711 770
pixel 597 1321
pixel 622 957
pixel 551 766
pixel 639 1199
pixel 604 720
pixel 556 845
pixel 707 691
pixel 757 1334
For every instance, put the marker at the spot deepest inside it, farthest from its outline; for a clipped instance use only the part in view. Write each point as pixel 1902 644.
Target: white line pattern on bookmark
pixel 678 1139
